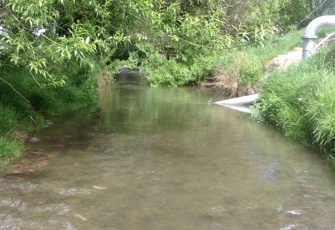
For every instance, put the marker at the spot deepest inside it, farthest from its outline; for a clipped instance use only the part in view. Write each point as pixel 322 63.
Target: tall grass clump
pixel 300 101
pixel 10 149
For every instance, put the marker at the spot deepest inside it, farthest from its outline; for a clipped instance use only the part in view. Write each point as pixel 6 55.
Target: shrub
pixel 162 72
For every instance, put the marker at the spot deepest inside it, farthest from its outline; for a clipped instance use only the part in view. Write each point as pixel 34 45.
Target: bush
pixel 24 103
pixel 162 72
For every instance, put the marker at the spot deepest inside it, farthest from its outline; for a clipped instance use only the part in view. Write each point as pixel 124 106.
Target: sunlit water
pixel 163 158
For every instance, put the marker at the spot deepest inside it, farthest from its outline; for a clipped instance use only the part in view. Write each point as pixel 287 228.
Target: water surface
pixel 163 158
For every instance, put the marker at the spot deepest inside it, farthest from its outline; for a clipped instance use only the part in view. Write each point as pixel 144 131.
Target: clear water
pixel 163 158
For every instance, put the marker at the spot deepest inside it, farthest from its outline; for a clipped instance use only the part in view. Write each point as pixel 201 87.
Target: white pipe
pixel 245 100
pixel 310 33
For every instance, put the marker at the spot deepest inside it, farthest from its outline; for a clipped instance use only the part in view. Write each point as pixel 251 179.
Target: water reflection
pixel 159 158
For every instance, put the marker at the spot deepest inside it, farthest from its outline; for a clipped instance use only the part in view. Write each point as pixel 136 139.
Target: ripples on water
pixel 147 158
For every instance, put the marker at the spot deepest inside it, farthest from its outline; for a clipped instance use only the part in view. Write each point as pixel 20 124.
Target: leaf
pixel 87 40
pixel 81 217
pixel 98 187
pixel 15 58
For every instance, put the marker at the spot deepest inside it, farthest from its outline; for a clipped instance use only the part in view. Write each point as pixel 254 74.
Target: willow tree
pixel 174 41
pixel 177 40
pixel 41 35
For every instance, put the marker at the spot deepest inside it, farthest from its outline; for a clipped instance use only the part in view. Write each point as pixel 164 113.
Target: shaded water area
pixel 163 158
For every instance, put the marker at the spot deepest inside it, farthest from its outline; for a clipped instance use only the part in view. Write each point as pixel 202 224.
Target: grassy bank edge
pixel 241 70
pixel 22 114
pixel 297 99
pixel 300 102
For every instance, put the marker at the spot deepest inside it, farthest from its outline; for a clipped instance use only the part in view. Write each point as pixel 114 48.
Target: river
pixel 147 158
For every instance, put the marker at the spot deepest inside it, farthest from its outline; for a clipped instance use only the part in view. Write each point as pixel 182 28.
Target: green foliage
pixel 276 45
pixel 321 114
pixel 242 67
pixel 254 21
pixel 245 66
pixel 8 119
pixel 29 100
pixel 173 34
pixel 283 96
pixel 9 150
pixel 174 73
pixel 22 108
pixel 251 69
pixel 34 35
pixel 175 29
pixel 298 13
pixel 300 101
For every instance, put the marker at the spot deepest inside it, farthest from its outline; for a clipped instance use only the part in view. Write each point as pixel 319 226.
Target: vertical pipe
pixel 310 33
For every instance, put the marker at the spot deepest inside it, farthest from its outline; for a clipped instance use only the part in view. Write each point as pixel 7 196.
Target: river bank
pixel 222 81
pixel 296 97
pixel 299 101
pixel 25 105
pixel 241 71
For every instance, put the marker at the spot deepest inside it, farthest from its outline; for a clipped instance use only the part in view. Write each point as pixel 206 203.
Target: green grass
pixel 245 65
pixel 279 44
pixel 300 101
pixel 10 149
pixel 24 104
pixel 8 118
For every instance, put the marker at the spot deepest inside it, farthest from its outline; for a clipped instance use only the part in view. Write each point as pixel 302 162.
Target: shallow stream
pixel 163 158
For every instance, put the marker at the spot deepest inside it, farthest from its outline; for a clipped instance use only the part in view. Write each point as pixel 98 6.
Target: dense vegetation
pixel 51 50
pixel 23 105
pixel 300 101
pixel 175 35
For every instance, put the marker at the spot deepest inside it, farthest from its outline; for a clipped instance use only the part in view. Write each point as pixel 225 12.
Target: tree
pixel 175 37
pixel 298 13
pixel 40 35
